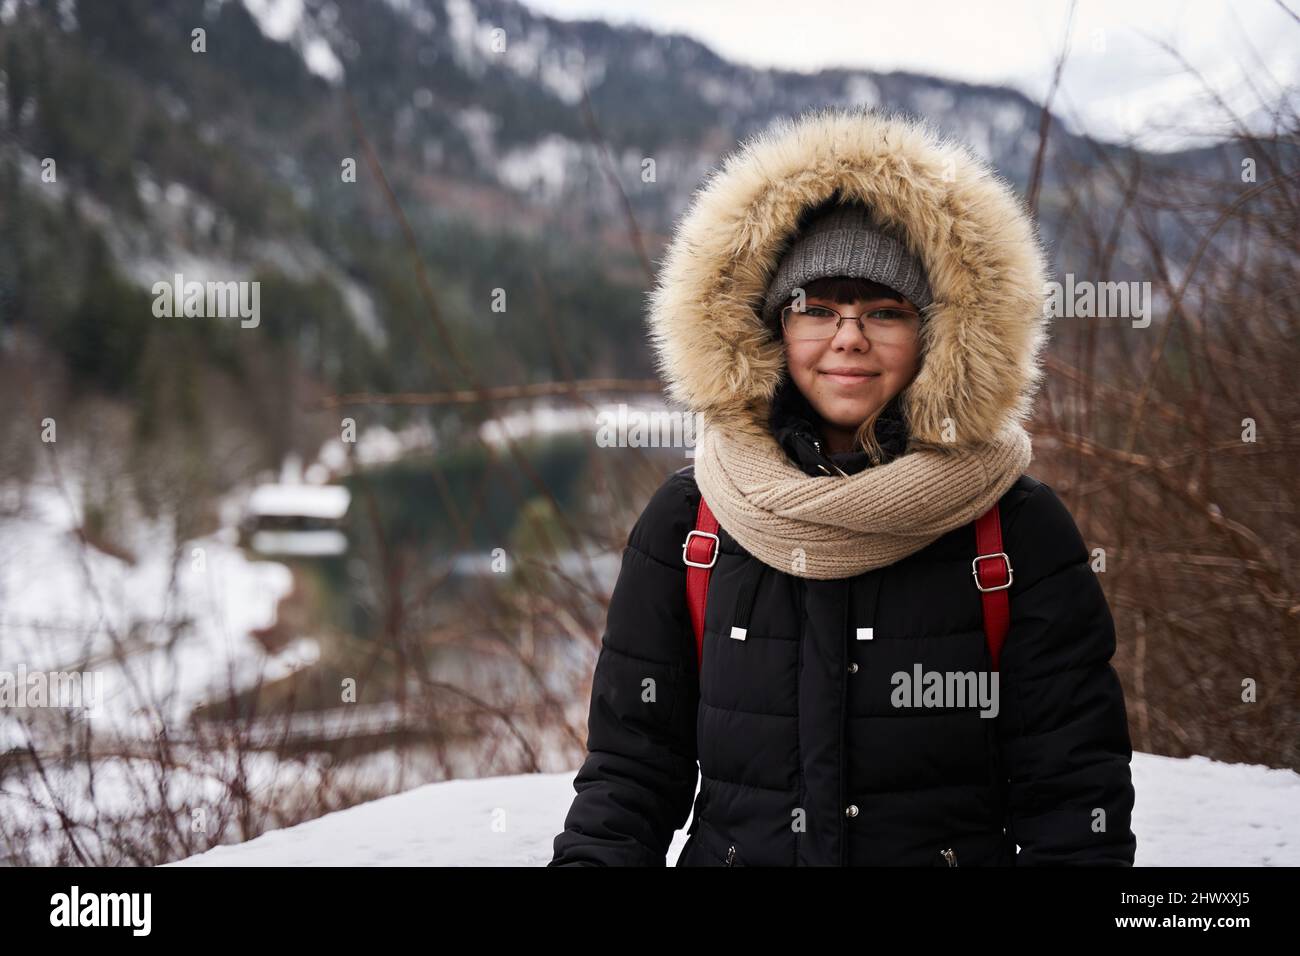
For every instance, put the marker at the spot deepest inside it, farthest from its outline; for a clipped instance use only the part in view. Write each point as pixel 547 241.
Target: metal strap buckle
pixel 687 543
pixel 974 570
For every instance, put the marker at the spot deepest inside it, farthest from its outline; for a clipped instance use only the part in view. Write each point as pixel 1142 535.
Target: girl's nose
pixel 850 334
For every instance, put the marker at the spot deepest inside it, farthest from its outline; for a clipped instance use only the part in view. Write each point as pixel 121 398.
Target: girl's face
pixel 849 376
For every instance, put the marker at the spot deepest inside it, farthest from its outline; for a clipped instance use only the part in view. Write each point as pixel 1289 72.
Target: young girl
pixel 856 307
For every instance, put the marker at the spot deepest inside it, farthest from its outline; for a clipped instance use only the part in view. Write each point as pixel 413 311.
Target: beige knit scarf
pixel 829 527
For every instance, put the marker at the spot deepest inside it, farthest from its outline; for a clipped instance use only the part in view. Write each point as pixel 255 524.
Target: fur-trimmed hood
pixel 982 337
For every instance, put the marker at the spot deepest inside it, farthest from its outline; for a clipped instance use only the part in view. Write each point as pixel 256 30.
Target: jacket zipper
pixel 818 446
pixel 731 855
pixel 950 855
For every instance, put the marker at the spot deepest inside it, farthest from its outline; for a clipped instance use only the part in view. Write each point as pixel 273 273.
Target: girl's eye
pixel 891 314
pixel 818 312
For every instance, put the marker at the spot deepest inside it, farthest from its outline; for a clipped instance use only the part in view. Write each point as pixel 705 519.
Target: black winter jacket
pixel 802 759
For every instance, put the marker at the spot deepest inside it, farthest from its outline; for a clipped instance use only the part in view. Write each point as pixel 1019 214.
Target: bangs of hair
pixel 845 289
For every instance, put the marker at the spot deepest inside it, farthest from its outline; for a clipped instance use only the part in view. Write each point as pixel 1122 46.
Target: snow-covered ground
pixel 162 635
pixel 135 637
pixel 1189 812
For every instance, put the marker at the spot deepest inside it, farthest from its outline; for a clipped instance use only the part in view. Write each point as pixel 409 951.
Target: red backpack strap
pixel 700 552
pixel 992 572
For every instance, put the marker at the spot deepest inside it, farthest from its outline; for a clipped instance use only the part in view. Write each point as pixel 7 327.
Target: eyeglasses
pixel 884 326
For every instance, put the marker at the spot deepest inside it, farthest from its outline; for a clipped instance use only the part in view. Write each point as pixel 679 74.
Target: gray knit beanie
pixel 838 239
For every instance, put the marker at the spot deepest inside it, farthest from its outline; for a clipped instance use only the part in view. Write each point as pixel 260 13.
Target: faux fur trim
pixel 983 336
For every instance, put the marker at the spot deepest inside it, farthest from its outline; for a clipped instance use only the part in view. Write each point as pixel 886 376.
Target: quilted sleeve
pixel 637 783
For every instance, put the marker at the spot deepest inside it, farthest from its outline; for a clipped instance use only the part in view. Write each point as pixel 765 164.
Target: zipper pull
pixel 818 446
pixel 731 855
pixel 950 855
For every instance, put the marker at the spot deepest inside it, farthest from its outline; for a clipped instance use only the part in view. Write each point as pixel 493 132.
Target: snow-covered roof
pixel 305 544
pixel 307 501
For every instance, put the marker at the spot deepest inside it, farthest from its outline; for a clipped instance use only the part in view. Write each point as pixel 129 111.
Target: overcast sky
pixel 1118 82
